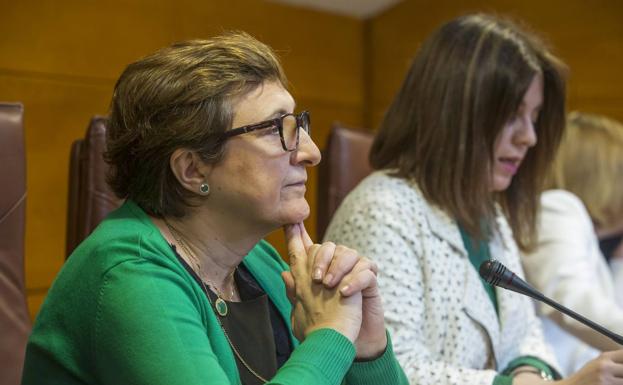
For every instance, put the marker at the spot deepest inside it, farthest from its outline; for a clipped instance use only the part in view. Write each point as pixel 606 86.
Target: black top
pixel 609 245
pixel 254 326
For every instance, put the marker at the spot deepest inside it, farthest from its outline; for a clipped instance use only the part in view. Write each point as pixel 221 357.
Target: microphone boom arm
pixel 497 274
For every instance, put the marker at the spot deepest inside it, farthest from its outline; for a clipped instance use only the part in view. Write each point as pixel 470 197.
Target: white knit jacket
pixel 444 326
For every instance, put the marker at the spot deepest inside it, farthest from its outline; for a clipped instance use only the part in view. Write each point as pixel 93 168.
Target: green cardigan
pixel 123 310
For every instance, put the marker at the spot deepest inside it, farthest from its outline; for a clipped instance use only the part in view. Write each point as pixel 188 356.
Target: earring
pixel 204 189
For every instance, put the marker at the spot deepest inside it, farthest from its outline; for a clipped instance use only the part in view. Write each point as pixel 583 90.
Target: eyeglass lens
pixel 290 129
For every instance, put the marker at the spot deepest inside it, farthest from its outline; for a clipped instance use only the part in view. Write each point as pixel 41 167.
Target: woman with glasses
pixel 177 286
pixel 461 155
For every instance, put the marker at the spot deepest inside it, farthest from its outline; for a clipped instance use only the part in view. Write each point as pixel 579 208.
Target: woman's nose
pixel 307 152
pixel 526 134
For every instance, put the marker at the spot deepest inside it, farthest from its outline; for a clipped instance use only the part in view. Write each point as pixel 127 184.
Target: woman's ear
pixel 189 170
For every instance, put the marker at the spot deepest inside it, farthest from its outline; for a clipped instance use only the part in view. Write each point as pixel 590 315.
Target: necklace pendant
pixel 221 307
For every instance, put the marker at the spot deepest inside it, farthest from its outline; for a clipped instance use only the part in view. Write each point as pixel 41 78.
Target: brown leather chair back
pixel 344 164
pixel 14 317
pixel 90 198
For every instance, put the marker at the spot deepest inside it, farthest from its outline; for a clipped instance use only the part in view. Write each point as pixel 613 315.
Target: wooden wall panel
pixel 61 60
pixel 587 35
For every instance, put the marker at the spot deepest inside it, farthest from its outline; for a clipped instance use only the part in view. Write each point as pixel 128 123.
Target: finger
pixel 372 265
pixel 613 369
pixel 294 241
pixel 307 241
pixel 288 280
pixel 312 253
pixel 302 268
pixel 343 262
pixel 364 263
pixel 364 267
pixel 322 260
pixel 615 360
pixel 615 355
pixel 617 370
pixel 296 250
pixel 362 281
pixel 297 254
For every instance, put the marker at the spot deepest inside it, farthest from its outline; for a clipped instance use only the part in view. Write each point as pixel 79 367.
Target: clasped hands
pixel 332 286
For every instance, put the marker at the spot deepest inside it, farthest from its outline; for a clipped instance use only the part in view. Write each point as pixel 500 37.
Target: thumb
pixel 307 241
pixel 291 293
pixel 288 280
pixel 294 241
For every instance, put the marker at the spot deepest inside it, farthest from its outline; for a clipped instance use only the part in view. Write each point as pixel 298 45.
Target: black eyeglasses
pixel 289 126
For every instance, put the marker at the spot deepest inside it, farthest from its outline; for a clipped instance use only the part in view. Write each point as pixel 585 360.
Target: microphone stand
pixel 497 274
pixel 595 326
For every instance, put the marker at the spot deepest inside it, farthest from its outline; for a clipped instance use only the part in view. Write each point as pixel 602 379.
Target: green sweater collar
pixel 263 261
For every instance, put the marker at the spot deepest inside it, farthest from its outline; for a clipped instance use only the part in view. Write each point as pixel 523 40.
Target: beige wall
pixel 588 35
pixel 61 58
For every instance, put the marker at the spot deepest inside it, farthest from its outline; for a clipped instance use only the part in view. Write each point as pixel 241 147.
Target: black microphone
pixel 497 274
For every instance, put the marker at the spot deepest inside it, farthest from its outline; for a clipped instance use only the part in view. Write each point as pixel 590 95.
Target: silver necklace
pixel 219 304
pixel 179 240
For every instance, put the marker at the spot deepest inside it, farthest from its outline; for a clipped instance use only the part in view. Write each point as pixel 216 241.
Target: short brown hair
pixel 465 83
pixel 179 96
pixel 589 163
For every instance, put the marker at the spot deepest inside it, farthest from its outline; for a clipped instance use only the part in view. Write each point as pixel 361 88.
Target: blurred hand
pixel 607 369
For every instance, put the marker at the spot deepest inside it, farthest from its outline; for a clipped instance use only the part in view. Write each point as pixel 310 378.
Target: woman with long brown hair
pixel 461 156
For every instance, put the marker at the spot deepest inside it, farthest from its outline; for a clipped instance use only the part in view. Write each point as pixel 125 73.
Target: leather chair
pixel 344 164
pixel 14 317
pixel 90 199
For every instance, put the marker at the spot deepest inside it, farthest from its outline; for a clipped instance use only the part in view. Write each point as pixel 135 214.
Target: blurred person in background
pixel 583 205
pixel 461 158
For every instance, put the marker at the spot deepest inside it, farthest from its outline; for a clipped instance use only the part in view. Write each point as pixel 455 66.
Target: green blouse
pixel 478 252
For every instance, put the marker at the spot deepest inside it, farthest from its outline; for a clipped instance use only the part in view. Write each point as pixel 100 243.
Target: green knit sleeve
pixel 381 371
pixel 323 357
pixel 535 363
